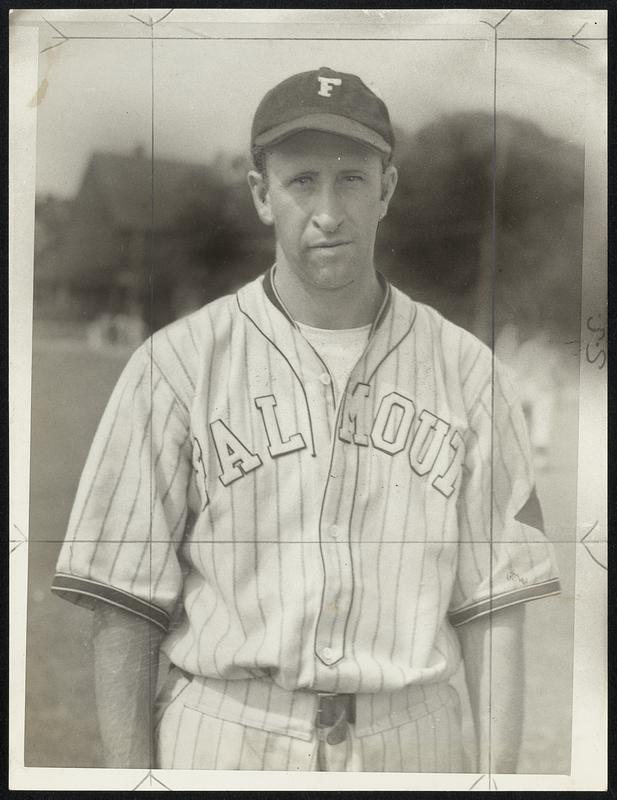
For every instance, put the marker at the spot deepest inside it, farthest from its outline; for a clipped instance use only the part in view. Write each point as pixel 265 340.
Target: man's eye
pixel 354 178
pixel 302 180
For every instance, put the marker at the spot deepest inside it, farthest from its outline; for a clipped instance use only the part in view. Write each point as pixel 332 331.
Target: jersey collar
pixel 274 297
pixel 262 307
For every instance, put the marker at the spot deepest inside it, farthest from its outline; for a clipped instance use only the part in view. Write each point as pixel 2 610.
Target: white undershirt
pixel 340 350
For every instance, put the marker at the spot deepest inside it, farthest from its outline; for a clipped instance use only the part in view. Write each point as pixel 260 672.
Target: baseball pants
pixel 192 735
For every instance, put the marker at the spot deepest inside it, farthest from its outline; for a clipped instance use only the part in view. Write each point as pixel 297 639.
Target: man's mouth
pixel 319 245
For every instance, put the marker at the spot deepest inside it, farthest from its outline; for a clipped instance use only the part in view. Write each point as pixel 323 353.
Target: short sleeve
pixel 130 511
pixel 504 556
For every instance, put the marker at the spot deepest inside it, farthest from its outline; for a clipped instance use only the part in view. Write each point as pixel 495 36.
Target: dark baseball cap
pixel 323 100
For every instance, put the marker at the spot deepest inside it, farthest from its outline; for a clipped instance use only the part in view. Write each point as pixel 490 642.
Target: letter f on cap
pixel 327 84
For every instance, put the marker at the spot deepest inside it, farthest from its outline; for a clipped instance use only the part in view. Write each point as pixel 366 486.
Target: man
pixel 300 492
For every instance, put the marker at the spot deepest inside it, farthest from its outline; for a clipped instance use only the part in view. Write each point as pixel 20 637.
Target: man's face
pixel 325 195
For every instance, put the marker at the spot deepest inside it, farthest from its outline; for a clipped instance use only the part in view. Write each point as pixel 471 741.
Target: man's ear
pixel 389 180
pixel 258 184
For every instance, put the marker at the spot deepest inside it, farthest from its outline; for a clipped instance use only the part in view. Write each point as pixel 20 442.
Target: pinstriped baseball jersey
pixel 277 534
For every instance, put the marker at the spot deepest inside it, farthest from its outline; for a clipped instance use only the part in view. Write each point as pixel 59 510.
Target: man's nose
pixel 328 213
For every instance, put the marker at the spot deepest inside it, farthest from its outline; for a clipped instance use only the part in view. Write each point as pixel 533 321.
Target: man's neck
pixel 350 306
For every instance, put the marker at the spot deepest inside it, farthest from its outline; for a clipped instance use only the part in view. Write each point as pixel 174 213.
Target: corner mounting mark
pixel 20 532
pixel 151 779
pixel 195 33
pixel 59 32
pixel 575 40
pixel 150 23
pixel 586 541
pixel 491 785
pixel 503 19
pixel 16 542
pixel 52 46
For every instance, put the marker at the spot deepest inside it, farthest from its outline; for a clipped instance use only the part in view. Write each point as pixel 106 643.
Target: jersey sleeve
pixel 130 511
pixel 504 556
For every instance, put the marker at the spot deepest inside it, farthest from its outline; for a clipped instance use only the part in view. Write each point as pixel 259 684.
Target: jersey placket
pixel 338 484
pixel 337 510
pixel 334 544
pixel 334 532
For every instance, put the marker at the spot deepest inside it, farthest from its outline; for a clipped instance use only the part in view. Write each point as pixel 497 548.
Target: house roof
pixel 133 187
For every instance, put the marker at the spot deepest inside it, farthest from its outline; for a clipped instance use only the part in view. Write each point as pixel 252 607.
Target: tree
pixel 437 239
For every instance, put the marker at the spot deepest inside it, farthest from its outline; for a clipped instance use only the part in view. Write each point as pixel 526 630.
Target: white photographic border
pixel 589 750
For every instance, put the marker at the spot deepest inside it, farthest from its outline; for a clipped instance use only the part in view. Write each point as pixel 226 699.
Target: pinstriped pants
pixel 188 737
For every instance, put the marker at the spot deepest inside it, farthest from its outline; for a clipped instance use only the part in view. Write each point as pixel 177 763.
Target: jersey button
pixel 325 379
pixel 336 532
pixel 327 654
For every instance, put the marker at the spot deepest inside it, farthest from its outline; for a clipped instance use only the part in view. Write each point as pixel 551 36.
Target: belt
pixel 335 711
pixel 264 705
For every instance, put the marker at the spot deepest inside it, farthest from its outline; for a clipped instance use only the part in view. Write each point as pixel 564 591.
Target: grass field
pixel 70 388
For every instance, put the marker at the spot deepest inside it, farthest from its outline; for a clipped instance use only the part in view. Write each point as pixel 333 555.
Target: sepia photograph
pixel 308 317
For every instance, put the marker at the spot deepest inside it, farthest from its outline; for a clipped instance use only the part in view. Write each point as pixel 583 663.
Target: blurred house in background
pixel 147 238
pixel 51 223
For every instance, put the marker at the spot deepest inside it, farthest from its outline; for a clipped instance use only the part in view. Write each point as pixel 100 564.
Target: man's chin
pixel 330 276
pixel 330 269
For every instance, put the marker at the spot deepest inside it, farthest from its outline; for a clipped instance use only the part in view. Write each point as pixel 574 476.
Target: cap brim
pixel 327 123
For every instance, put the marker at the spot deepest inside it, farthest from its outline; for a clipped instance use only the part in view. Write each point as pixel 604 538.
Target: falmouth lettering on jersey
pixel 398 425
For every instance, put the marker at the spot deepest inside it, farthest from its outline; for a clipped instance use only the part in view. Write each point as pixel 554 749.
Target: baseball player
pixel 314 497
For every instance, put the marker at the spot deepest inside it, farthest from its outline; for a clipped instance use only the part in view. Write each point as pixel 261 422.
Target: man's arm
pixel 126 650
pixel 494 668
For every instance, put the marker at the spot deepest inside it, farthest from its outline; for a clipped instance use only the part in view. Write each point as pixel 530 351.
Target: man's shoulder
pixel 178 352
pixel 199 329
pixel 464 361
pixel 443 333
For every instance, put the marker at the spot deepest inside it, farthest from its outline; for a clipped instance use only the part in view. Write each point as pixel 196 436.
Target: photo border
pixel 589 761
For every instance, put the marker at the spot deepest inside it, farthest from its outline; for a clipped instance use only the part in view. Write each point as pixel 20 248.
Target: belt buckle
pixel 335 711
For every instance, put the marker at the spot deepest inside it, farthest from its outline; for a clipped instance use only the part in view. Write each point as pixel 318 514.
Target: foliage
pixel 438 237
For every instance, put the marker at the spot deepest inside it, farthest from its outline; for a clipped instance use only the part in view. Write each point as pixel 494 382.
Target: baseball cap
pixel 322 100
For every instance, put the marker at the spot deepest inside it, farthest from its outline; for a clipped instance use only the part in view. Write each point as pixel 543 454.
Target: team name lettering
pixel 277 446
pixel 432 445
pixel 234 457
pixel 199 469
pixel 353 429
pixel 445 483
pixel 393 423
pixel 427 442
